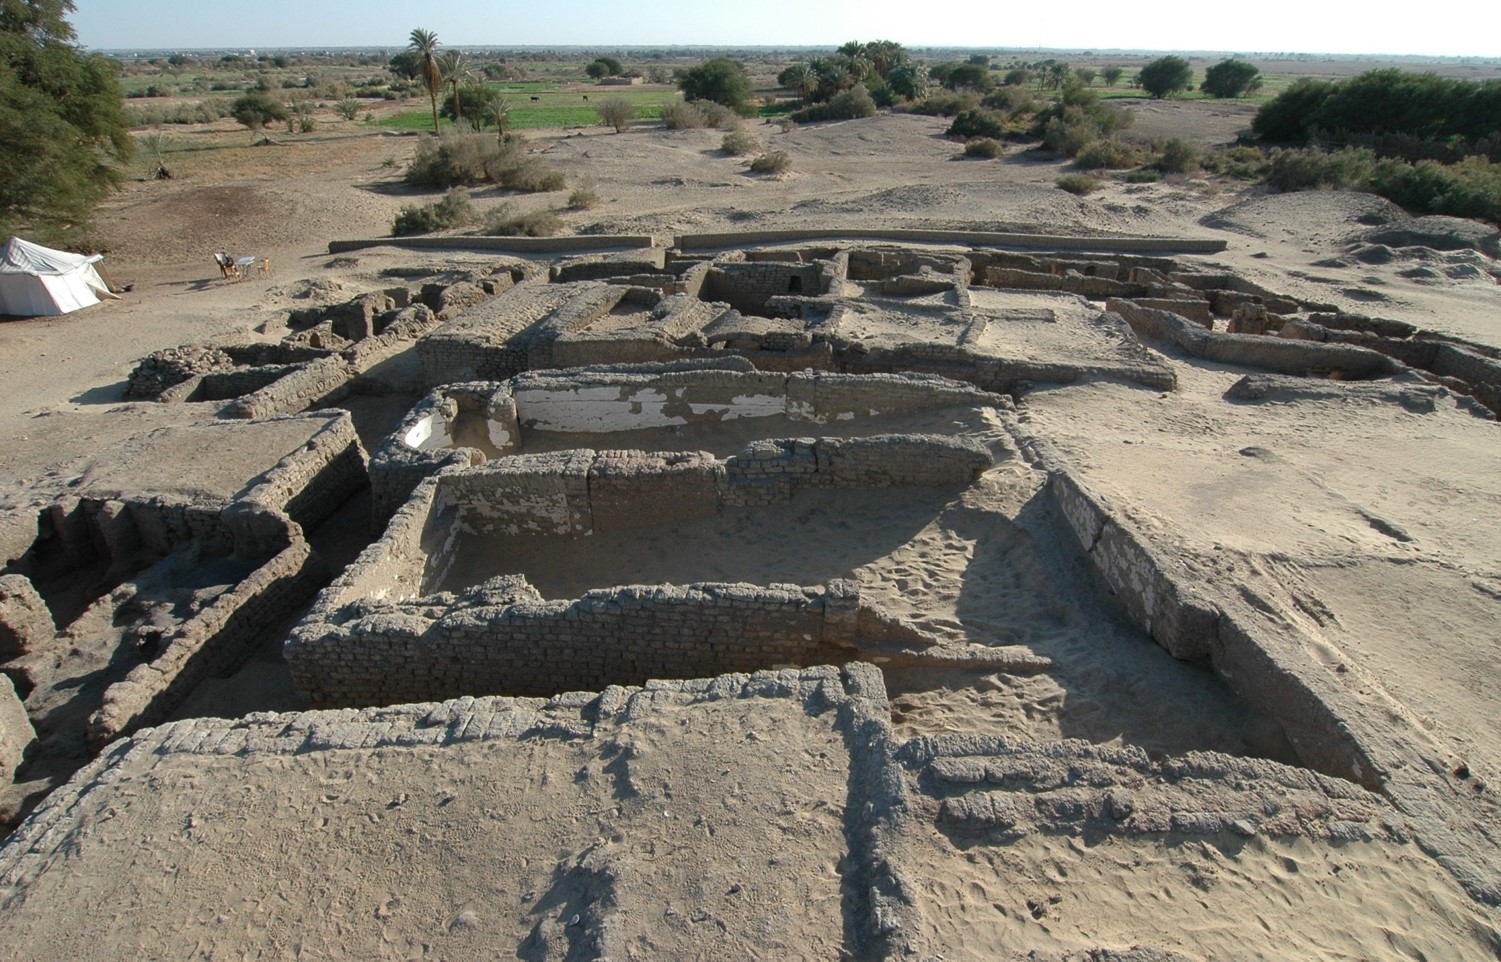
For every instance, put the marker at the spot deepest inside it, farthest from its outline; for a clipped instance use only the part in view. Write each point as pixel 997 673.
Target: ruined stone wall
pixel 605 400
pixel 1279 355
pixel 487 341
pixel 555 493
pixel 747 287
pixel 213 642
pixel 318 382
pixel 534 647
pixel 423 443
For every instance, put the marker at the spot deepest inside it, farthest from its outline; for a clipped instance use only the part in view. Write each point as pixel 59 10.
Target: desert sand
pixel 1358 528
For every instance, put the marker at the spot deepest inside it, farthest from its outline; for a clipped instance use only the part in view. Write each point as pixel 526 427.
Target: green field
pixel 553 106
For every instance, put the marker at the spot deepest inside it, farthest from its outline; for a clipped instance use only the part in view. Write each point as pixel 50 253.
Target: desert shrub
pixel 256 110
pixel 528 174
pixel 504 221
pixel 1286 117
pixel 984 147
pixel 203 112
pixel 1178 156
pixel 1012 99
pixel 685 115
pixel 1145 175
pixel 1470 188
pixel 786 125
pixel 1243 163
pixel 1383 104
pixel 1311 168
pixel 963 76
pixel 584 197
pixel 1107 153
pixel 720 80
pixel 452 210
pixel 1112 75
pixel 456 159
pixel 1231 78
pixel 604 67
pixel 617 112
pixel 847 105
pixel 348 108
pixel 978 123
pixel 1079 184
pixel 1166 76
pixel 771 162
pixel 1069 135
pixel 946 104
pixel 738 143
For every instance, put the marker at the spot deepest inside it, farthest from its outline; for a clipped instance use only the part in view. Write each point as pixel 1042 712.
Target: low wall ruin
pixel 502 638
pixel 596 401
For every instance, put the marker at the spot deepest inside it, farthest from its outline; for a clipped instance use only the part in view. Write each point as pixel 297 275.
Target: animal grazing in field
pixel 536 98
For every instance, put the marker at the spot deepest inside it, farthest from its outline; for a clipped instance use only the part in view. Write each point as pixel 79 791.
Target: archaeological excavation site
pixel 796 595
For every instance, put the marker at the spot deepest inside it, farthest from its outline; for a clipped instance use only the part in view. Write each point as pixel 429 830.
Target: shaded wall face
pixel 748 287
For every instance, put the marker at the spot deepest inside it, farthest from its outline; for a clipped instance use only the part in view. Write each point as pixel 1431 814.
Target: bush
pixel 456 159
pixel 256 110
pixel 984 147
pixel 1069 135
pixel 1243 163
pixel 771 162
pixel 1013 100
pixel 738 143
pixel 848 105
pixel 978 123
pixel 584 197
pixel 1384 102
pixel 946 104
pixel 617 112
pixel 720 80
pixel 203 112
pixel 1178 156
pixel 1231 78
pixel 1166 76
pixel 604 67
pixel 1307 169
pixel 1286 117
pixel 1144 176
pixel 348 108
pixel 530 175
pixel 453 210
pixel 1470 188
pixel 504 221
pixel 682 115
pixel 1107 154
pixel 1078 184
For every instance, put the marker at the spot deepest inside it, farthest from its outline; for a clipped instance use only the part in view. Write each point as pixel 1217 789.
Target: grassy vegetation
pixel 554 106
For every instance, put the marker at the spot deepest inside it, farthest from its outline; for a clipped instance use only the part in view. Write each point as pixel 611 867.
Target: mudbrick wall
pixel 554 493
pixel 216 640
pixel 502 638
pixel 1272 354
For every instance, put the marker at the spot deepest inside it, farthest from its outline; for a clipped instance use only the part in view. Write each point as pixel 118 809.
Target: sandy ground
pixel 1369 528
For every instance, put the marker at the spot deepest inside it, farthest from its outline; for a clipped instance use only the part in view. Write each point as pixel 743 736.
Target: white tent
pixel 39 280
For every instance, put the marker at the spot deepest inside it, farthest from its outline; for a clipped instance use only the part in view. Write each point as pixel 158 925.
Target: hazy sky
pixel 1456 28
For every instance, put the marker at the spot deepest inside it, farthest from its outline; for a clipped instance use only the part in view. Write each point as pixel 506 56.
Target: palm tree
pixel 499 110
pixel 424 44
pixel 454 71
